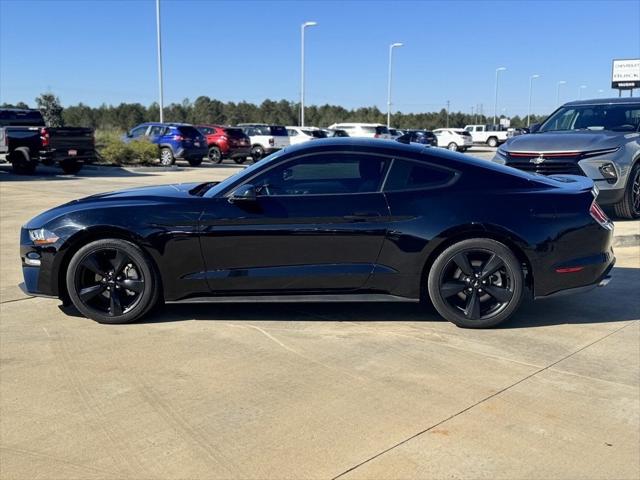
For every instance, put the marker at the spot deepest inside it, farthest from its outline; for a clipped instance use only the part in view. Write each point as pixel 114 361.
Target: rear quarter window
pixel 413 175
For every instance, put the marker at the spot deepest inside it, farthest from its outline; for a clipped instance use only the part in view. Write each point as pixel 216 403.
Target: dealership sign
pixel 625 74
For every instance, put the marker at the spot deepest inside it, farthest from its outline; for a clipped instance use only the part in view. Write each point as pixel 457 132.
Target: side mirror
pixel 129 135
pixel 244 193
pixel 534 128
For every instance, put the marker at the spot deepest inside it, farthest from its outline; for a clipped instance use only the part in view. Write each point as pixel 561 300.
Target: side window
pixel 409 175
pixel 156 131
pixel 324 174
pixel 139 131
pixel 292 132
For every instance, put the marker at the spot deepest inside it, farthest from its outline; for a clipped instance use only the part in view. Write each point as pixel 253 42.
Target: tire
pixel 492 142
pixel 21 162
pixel 214 155
pixel 166 157
pixel 453 146
pixel 71 167
pixel 99 274
pixel 257 152
pixel 195 161
pixel 629 206
pixel 455 283
pixel 240 160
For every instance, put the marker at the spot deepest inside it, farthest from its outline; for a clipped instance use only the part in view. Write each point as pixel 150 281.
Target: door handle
pixel 361 216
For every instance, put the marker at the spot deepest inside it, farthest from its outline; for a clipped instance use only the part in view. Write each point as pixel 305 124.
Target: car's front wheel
pixel 629 206
pixel 257 152
pixel 476 283
pixel 112 281
pixel 215 156
pixel 166 157
pixel 492 142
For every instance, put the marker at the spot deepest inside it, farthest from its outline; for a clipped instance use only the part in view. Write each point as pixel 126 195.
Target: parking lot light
pixel 495 105
pixel 159 42
pixel 391 47
pixel 302 28
pixel 560 83
pixel 531 79
pixel 582 87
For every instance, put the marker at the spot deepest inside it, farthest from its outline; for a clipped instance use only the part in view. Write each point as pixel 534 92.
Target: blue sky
pixel 96 51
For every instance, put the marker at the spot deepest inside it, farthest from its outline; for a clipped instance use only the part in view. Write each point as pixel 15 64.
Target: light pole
pixel 159 61
pixel 531 79
pixel 560 83
pixel 391 47
pixel 495 105
pixel 582 87
pixel 302 28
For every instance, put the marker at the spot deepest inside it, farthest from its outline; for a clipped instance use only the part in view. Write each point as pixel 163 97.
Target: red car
pixel 226 142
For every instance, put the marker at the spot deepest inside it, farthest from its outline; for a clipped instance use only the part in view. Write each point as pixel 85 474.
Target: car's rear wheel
pixel 166 157
pixel 476 283
pixel 257 152
pixel 21 162
pixel 71 167
pixel 453 146
pixel 629 206
pixel 492 142
pixel 112 281
pixel 214 155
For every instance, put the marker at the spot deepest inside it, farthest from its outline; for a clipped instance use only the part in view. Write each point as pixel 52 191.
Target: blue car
pixel 176 141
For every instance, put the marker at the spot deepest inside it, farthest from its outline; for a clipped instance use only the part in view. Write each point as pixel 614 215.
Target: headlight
pixel 42 236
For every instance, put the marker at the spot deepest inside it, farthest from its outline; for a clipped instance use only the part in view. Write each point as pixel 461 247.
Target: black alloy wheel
pixel 476 283
pixel 111 281
pixel 629 206
pixel 257 152
pixel 214 155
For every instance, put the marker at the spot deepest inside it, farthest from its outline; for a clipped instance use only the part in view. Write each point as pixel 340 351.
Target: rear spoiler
pixel 576 183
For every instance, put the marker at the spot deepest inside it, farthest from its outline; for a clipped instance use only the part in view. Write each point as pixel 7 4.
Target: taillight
pixel 44 137
pixel 178 138
pixel 599 216
pixel 224 138
pixel 272 142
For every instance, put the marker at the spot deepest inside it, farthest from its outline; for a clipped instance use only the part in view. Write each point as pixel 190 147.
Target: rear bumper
pixel 237 152
pixel 601 281
pixel 186 153
pixel 57 155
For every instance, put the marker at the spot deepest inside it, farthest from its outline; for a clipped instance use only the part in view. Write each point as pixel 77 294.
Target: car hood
pixel 133 196
pixel 574 141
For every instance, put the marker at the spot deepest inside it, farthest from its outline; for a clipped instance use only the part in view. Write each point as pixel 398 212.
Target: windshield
pixel 226 183
pixel 619 118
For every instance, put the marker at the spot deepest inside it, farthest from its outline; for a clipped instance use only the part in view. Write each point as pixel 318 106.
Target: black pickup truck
pixel 27 141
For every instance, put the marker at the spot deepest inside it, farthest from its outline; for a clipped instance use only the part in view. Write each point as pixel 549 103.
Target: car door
pixel 317 224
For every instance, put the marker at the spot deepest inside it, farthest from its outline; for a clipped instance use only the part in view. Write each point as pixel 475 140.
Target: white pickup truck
pixel 488 134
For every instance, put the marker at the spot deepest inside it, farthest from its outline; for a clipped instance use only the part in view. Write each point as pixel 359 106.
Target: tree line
pixel 207 110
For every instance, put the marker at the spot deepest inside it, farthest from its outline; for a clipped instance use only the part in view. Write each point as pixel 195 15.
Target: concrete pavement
pixel 311 391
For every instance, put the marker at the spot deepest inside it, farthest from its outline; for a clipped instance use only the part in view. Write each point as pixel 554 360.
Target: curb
pixel 626 240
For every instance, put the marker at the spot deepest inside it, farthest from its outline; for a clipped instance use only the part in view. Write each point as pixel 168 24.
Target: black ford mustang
pixel 332 220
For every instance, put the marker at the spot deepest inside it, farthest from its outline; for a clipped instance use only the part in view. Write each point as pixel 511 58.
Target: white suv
pixel 455 139
pixel 265 139
pixel 370 130
pixel 304 134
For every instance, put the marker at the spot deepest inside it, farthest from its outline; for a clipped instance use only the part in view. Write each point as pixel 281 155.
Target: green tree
pixel 51 109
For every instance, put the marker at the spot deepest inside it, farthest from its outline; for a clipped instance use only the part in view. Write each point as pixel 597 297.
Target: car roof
pixel 606 101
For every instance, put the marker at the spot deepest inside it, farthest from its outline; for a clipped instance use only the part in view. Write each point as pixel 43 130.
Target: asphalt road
pixel 310 391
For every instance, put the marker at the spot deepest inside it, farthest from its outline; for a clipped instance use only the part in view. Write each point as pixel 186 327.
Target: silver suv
pixel 596 138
